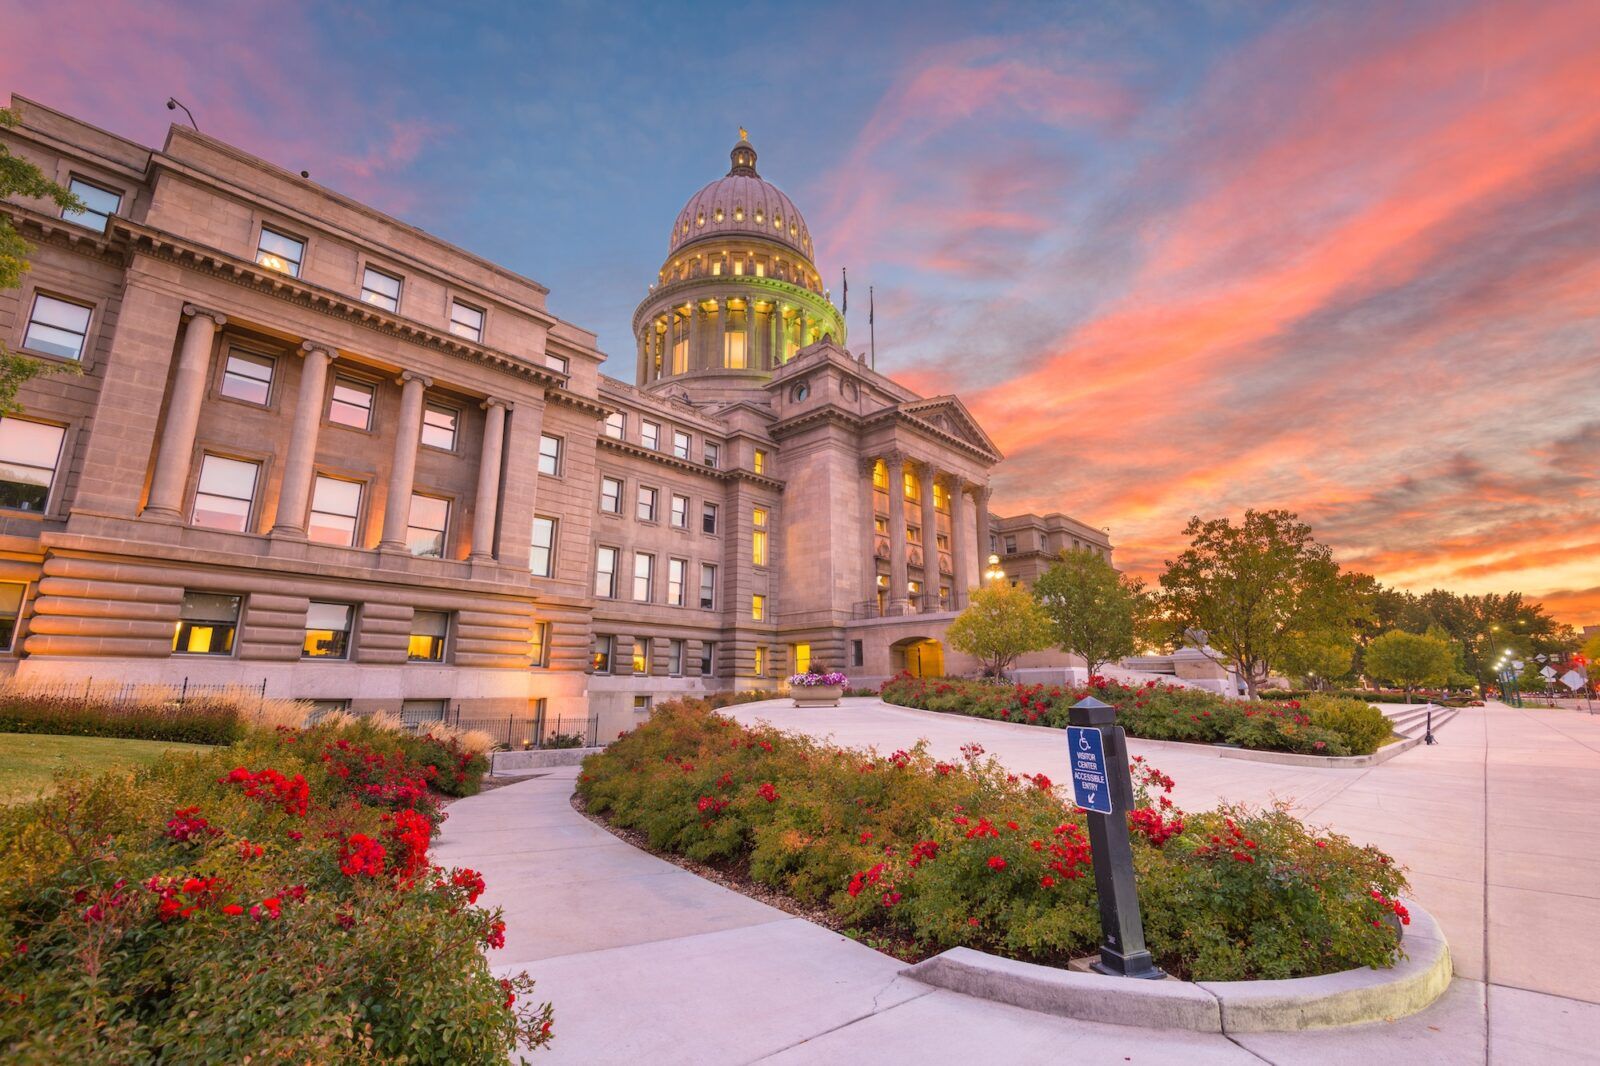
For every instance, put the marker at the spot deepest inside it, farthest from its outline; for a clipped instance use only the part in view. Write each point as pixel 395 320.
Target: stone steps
pixel 1411 720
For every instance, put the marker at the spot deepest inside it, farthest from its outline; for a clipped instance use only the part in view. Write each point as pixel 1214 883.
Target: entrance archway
pixel 917 656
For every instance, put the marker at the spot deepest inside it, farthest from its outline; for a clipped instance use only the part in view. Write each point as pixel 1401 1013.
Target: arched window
pixel 738 213
pixel 700 219
pixel 718 215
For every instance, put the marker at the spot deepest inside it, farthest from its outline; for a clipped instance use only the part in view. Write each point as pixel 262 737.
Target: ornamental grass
pixel 1155 710
pixel 269 901
pixel 964 853
pixel 199 715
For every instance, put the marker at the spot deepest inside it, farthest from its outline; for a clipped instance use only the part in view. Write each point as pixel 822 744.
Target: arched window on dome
pixel 718 215
pixel 738 212
pixel 738 266
pixel 777 222
pixel 792 230
pixel 758 214
pixel 700 219
pixel 761 269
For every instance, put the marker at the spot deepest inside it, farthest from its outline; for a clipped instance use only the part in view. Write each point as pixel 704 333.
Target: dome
pixel 741 204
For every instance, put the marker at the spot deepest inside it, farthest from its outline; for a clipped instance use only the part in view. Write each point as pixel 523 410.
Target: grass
pixel 29 761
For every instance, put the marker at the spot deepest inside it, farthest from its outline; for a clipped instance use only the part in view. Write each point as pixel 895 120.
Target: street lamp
pixel 995 573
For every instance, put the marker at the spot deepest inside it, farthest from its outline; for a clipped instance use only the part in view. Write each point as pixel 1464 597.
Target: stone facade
pixel 314 449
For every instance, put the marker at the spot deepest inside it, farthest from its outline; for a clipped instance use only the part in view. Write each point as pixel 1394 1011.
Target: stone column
pixel 719 336
pixel 980 499
pixel 690 336
pixel 898 602
pixel 869 514
pixel 520 494
pixel 403 470
pixel 488 501
pixel 294 495
pixel 775 336
pixel 930 537
pixel 165 502
pixel 958 540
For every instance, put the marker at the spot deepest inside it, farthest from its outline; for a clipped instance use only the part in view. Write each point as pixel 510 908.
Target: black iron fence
pixel 521 733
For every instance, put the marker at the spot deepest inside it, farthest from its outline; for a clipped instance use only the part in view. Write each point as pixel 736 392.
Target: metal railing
pixel 926 603
pixel 521 733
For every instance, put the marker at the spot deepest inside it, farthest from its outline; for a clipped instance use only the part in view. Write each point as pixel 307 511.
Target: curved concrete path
pixel 646 962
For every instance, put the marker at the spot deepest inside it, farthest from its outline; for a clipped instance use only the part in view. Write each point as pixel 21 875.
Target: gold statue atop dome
pixel 744 134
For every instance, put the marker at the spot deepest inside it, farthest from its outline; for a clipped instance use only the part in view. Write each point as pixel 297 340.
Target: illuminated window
pixel 57 327
pixel 549 455
pixel 600 658
pixel 941 499
pixel 645 510
pixel 913 490
pixel 733 349
pixel 248 377
pixel 644 577
pixel 350 404
pixel 10 609
pixel 99 204
pixel 539 645
pixel 677 576
pixel 759 666
pixel 542 560
pixel 328 628
pixel 716 268
pixel 913 534
pixel 207 622
pixel 700 219
pixel 425 532
pixel 758 539
pixel 466 320
pixel 275 251
pixel 605 573
pixel 718 215
pixel 777 221
pixel 335 506
pixel 222 501
pixel 758 608
pixel 641 656
pixel 738 213
pixel 380 289
pixel 802 658
pixel 761 269
pixel 738 267
pixel 880 476
pixel 439 426
pixel 428 632
pixel 760 462
pixel 611 495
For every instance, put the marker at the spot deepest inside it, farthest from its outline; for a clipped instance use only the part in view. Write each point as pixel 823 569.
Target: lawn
pixel 28 761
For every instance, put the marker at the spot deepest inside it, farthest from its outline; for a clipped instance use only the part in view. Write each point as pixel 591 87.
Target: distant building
pixel 316 449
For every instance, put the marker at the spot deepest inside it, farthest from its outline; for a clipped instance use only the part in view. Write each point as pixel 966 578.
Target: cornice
pixel 688 466
pixel 823 413
pixel 48 229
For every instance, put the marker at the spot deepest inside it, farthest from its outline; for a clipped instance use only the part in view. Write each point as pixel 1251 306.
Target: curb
pixel 538 759
pixel 1351 997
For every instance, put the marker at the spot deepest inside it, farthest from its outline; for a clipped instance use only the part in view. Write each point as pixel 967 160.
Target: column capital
pixel 411 375
pixel 495 401
pixel 195 310
pixel 894 457
pixel 307 347
pixel 869 464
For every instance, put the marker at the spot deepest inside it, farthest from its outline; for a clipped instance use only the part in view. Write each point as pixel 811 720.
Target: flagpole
pixel 872 328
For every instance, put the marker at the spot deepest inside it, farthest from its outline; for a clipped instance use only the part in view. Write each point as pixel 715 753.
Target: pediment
pixel 949 416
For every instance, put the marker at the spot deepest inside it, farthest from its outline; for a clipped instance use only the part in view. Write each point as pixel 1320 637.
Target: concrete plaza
pixel 1499 826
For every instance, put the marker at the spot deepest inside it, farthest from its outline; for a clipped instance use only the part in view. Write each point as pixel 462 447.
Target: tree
pixel 1093 609
pixel 1320 659
pixel 1259 592
pixel 1410 659
pixel 20 178
pixel 1001 622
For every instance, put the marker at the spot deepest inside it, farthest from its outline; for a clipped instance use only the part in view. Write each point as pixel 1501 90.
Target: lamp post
pixel 995 573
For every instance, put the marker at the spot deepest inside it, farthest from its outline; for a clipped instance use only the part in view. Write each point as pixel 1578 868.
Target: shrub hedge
pixel 1317 725
pixel 966 853
pixel 271 901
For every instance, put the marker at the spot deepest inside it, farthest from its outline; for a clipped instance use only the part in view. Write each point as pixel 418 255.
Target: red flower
pixel 996 863
pixel 767 792
pixel 511 997
pixel 361 855
pixel 232 909
pixel 471 880
pixel 495 935
pixel 1047 881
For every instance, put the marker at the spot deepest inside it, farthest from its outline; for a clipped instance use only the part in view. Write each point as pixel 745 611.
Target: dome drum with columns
pixel 738 294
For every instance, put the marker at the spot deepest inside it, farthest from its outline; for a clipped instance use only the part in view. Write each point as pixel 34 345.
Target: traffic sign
pixel 1574 680
pixel 1091 788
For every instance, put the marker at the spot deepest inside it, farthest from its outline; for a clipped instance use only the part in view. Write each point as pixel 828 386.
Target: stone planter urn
pixel 817 695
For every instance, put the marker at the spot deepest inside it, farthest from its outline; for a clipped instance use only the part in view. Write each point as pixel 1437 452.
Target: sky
pixel 1179 259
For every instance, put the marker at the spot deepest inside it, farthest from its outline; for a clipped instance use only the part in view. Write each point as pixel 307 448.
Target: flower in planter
pixel 812 679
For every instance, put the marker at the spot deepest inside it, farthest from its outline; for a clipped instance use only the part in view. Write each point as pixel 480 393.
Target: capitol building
pixel 317 450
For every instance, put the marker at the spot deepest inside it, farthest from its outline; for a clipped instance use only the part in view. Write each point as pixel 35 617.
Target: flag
pixel 845 309
pixel 869 305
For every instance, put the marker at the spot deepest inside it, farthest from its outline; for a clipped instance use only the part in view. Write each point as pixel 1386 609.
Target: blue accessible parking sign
pixel 1091 788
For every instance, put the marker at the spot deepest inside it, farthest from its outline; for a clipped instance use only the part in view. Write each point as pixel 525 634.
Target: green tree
pixel 1320 659
pixel 1093 609
pixel 20 178
pixel 1259 591
pixel 1410 660
pixel 1001 622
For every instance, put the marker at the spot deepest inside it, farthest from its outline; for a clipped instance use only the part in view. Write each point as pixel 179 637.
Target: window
pixel 558 363
pixel 708 519
pixel 708 657
pixel 29 454
pixel 611 495
pixel 600 658
pixel 641 704
pixel 278 252
pixel 320 709
pixel 428 631
pixel 227 489
pixel 801 654
pixel 760 662
pixel 466 321
pixel 681 444
pixel 351 404
pixel 677 575
pixel 644 576
pixel 713 454
pixel 248 377
pixel 645 509
pixel 858 653
pixel 605 573
pixel 417 712
pixel 758 608
pixel 680 511
pixel 650 434
pixel 913 489
pixel 380 289
pixel 674 658
pixel 616 425
pixel 430 517
pixel 549 455
pixel 760 463
pixel 207 624
pixel 539 645
pixel 641 655
pixel 57 327
pixel 439 426
pixel 1011 545
pixel 335 506
pixel 758 539
pixel 708 586
pixel 99 204
pixel 541 563
pixel 327 631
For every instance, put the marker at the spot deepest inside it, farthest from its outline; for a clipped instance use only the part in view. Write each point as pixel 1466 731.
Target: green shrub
pixel 1363 727
pixel 967 853
pixel 269 901
pixel 198 723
